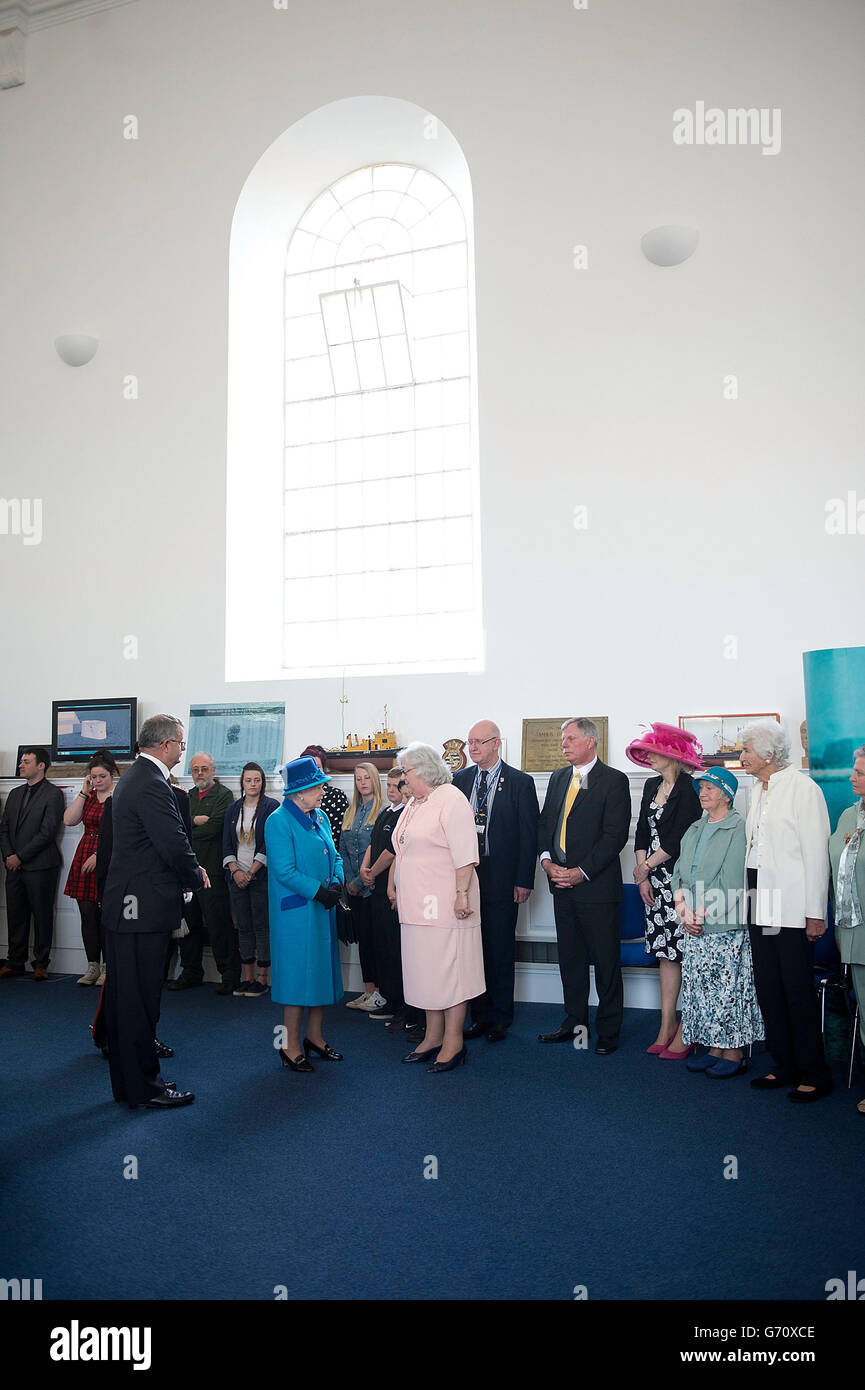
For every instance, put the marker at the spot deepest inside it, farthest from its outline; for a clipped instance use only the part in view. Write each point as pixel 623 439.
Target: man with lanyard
pixel 505 804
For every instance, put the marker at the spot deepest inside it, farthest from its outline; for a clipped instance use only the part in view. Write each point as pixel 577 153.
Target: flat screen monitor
pixel 80 728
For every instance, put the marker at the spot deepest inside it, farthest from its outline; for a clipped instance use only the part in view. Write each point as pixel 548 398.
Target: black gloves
pixel 330 896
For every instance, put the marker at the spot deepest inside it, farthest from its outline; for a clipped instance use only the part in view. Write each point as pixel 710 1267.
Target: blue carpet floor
pixel 556 1168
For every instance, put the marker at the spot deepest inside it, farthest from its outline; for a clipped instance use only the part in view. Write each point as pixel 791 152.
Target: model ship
pixel 379 748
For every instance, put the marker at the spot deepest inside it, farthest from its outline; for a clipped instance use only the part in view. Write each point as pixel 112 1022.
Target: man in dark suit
pixel 505 804
pixel 583 829
pixel 152 864
pixel 28 844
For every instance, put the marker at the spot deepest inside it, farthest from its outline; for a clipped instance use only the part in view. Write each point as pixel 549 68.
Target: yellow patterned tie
pixel 569 801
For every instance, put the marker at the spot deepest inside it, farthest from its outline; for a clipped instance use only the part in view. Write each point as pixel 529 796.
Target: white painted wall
pixel 600 387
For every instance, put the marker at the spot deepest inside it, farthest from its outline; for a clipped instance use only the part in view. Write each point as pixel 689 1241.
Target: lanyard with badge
pixel 481 813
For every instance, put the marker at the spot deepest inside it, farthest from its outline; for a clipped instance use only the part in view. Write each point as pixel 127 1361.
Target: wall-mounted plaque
pixel 542 742
pixel 454 754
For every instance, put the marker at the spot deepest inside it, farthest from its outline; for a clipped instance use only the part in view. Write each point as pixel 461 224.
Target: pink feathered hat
pixel 668 742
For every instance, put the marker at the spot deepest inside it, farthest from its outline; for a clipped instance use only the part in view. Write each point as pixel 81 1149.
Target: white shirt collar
pixel 162 768
pixel 585 769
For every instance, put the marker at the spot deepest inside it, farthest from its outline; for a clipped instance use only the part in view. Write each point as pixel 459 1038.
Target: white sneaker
pixel 360 1002
pixel 101 980
pixel 372 1001
pixel 91 974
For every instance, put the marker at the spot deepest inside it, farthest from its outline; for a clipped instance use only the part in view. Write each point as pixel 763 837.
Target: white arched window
pixel 380 567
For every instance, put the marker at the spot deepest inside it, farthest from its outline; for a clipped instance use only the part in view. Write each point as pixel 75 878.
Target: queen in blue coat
pixel 305 878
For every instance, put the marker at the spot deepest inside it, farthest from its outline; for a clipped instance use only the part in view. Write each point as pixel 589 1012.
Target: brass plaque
pixel 542 742
pixel 454 754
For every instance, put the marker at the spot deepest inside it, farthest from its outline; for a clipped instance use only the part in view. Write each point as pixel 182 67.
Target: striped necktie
pixel 569 801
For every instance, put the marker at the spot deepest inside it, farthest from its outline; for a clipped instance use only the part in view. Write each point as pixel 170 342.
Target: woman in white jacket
pixel 787 878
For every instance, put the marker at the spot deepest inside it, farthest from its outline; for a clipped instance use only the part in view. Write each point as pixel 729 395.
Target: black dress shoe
pixel 496 1034
pixel 169 1100
pixel 808 1097
pixel 561 1034
pixel 604 1049
pixel 163 1050
pixel 183 982
pixel 459 1060
pixel 326 1053
pixel 477 1030
pixel 299 1063
pixel 768 1083
pixel 423 1056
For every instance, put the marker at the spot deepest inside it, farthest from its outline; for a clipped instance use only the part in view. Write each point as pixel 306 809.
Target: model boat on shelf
pixel 379 748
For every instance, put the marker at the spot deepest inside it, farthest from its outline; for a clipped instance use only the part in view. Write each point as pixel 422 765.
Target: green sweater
pixel 207 839
pixel 717 882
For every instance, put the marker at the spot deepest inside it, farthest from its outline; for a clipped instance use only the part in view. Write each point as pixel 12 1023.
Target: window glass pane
pixel 430 543
pixel 457 494
pixel 430 496
pixel 397 367
pixel 374 503
pixel 348 417
pixel 318 213
pixel 304 337
pixel 402 546
pixel 399 408
pixel 375 456
pixel 400 455
pixel 456 447
pixel 388 308
pixel 397 176
pixel 300 299
pixel 343 366
pixel 349 501
pixel 361 310
pixel 428 189
pixel 336 321
pixel 304 597
pixel 349 551
pixel 400 499
pixel 375 548
pixel 349 460
pixel 369 365
pixel 428 451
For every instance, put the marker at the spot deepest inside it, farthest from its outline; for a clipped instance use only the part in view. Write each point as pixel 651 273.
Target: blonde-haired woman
pixel 354 839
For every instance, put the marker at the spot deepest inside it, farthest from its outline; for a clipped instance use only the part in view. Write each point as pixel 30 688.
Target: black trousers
pixel 133 981
pixel 30 892
pixel 212 920
pixel 783 977
pixel 361 916
pixel 583 929
pixel 498 934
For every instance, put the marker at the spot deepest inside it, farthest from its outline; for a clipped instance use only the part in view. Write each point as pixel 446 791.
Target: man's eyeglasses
pixel 181 741
pixel 479 742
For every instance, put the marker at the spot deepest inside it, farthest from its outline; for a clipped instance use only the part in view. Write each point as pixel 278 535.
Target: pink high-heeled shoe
pixel 657 1048
pixel 668 1056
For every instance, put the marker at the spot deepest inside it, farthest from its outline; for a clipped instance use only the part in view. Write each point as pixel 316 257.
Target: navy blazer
pixel 105 843
pixel 596 831
pixel 152 862
pixel 512 830
pixel 32 834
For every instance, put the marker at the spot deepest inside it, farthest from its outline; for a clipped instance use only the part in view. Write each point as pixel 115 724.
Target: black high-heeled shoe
pixel 296 1064
pixel 423 1056
pixel 326 1053
pixel 457 1061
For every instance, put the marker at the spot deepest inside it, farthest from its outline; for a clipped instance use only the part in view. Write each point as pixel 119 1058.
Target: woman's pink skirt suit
pixel 442 957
